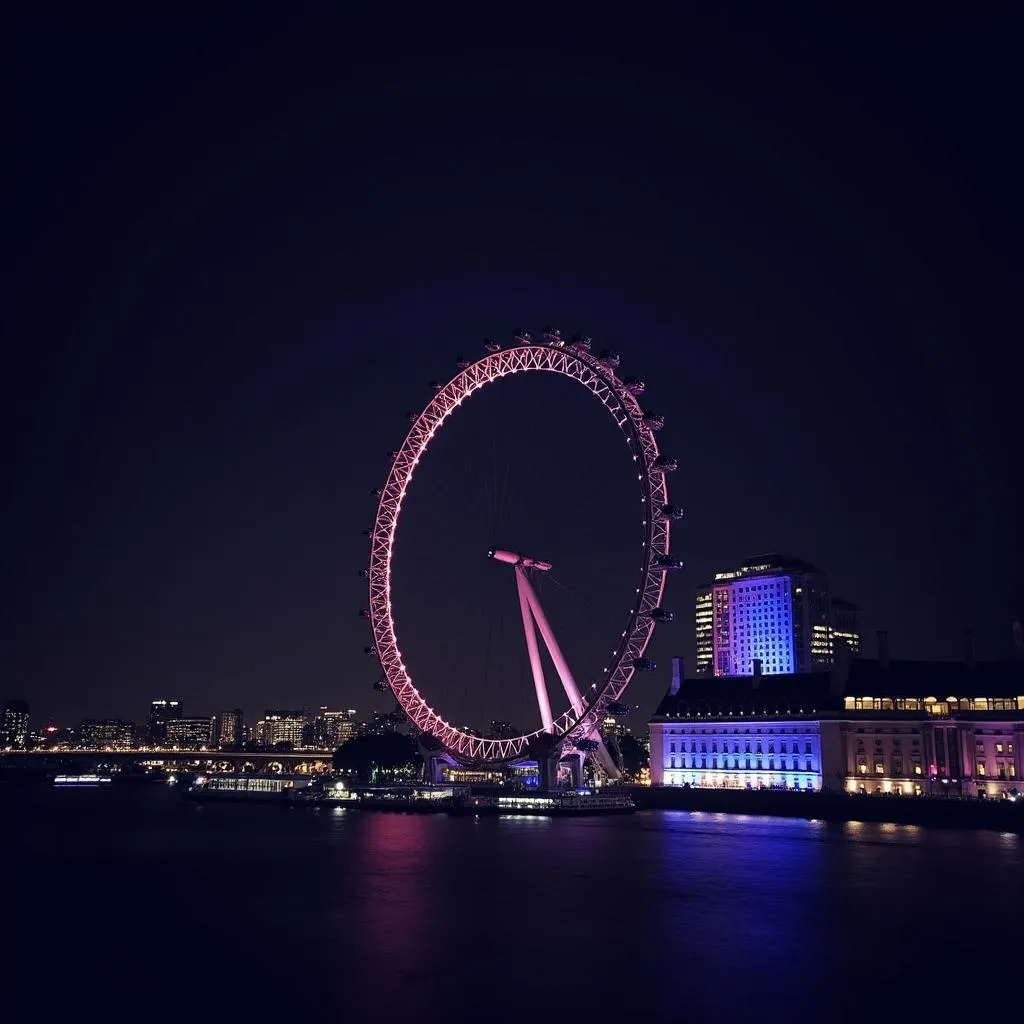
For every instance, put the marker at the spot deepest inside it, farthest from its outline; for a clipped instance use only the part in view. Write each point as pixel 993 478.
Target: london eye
pixel 577 728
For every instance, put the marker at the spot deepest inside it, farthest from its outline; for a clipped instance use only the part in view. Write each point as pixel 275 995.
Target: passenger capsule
pixel 369 650
pixel 661 615
pixel 634 385
pixel 581 342
pixel 653 419
pixel 668 563
pixel 666 464
pixel 644 664
pixel 463 363
pixel 364 574
pixel 553 336
pixel 609 359
pixel 670 512
pixel 490 345
pixel 522 336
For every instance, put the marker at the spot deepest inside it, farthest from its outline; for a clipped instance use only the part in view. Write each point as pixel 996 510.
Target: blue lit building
pixel 952 729
pixel 775 610
pixel 747 733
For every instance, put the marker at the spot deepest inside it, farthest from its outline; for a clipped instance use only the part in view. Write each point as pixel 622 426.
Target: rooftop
pixel 821 692
pixel 772 562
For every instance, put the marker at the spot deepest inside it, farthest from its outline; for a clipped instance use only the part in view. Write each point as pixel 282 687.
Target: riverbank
pixel 1000 816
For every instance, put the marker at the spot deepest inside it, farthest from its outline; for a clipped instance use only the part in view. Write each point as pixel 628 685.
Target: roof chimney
pixel 969 649
pixel 677 675
pixel 756 663
pixel 883 648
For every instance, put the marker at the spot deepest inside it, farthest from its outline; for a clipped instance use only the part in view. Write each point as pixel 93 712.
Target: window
pixel 807 765
pixel 672 748
pixel 879 768
pixel 999 748
pixel 981 769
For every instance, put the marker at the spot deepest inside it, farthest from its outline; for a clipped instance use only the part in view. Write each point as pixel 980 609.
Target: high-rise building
pixel 161 712
pixel 188 733
pixel 14 725
pixel 281 727
pixel 230 728
pixel 705 632
pixel 845 626
pixel 333 728
pixel 775 610
pixel 101 733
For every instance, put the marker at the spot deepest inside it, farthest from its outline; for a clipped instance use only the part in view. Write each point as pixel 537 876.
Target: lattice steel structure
pixel 619 396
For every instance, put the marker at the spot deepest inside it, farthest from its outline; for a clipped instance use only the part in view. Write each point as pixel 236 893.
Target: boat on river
pixel 555 803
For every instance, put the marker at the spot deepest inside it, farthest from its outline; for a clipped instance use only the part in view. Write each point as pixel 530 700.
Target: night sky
pixel 243 245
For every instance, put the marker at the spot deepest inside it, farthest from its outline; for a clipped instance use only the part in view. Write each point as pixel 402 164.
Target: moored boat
pixel 556 803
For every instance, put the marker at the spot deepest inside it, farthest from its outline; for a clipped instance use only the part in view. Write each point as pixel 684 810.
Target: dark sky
pixel 243 245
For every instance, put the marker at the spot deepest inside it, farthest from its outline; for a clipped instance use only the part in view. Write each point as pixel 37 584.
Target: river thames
pixel 133 902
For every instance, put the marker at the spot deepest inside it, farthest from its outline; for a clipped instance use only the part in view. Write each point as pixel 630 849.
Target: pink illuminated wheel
pixel 598 374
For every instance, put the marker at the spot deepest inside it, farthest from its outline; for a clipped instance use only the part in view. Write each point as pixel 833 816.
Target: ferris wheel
pixel 577 727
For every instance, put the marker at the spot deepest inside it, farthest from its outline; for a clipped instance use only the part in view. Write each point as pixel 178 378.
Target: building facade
pixel 14 725
pixel 845 627
pixel 775 610
pixel 230 728
pixel 189 733
pixel 865 727
pixel 331 729
pixel 162 711
pixel 281 727
pixel 107 734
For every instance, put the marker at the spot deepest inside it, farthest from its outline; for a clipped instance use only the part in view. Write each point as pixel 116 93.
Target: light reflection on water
pixel 662 915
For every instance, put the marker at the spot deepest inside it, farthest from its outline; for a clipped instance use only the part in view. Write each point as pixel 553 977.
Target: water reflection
pixel 372 917
pixel 741 898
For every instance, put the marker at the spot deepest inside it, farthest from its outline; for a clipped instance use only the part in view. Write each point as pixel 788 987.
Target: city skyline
pixel 222 325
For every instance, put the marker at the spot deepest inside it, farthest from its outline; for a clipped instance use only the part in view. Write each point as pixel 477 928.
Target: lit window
pixel 981 768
